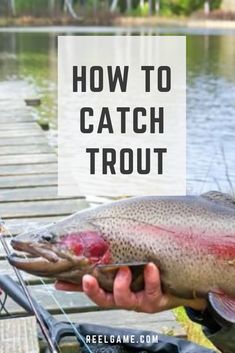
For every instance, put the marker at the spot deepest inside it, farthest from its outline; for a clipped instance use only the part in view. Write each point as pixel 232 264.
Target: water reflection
pixel 31 57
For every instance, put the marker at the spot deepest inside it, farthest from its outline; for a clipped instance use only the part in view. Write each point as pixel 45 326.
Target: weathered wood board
pixel 37 193
pixel 19 225
pixel 28 158
pixel 40 208
pixel 21 133
pixel 14 117
pixel 53 300
pixel 19 335
pixel 18 125
pixel 26 141
pixel 18 181
pixel 28 169
pixel 24 149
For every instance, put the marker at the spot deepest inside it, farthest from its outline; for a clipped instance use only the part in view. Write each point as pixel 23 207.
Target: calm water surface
pixel 28 63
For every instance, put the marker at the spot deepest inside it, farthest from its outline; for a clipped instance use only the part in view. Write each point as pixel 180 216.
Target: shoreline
pixel 26 24
pixel 177 22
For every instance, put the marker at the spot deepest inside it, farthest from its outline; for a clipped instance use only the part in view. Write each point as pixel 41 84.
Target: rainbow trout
pixel 191 239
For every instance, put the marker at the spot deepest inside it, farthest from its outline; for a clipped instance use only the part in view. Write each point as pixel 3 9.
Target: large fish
pixel 191 239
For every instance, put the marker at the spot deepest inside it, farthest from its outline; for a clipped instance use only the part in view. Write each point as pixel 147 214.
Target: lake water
pixel 28 62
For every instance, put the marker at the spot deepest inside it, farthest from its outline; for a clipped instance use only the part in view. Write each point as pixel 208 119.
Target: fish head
pixel 61 252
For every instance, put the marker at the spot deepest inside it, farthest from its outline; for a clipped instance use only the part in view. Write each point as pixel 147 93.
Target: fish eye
pixel 48 237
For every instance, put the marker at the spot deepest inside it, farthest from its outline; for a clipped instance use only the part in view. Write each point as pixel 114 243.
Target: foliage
pixel 185 7
pixel 55 7
pixel 169 7
pixel 140 11
pixel 193 331
pixel 31 7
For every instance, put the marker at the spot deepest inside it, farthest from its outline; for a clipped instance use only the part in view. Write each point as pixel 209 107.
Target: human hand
pixel 149 300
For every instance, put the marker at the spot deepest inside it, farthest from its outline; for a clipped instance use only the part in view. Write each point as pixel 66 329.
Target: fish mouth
pixel 40 259
pixel 39 266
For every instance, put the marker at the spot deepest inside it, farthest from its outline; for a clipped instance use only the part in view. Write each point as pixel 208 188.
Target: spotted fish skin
pixel 191 239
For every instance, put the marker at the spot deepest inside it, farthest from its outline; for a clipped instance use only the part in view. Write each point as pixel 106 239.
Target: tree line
pixel 131 7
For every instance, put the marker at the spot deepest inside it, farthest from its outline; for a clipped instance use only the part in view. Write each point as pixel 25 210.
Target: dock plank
pixel 27 140
pixel 40 208
pixel 20 225
pixel 31 194
pixel 21 133
pixel 18 181
pixel 19 336
pixel 28 169
pixel 49 297
pixel 24 149
pixel 11 118
pixel 19 126
pixel 28 158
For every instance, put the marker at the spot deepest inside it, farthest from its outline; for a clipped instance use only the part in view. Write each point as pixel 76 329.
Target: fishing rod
pixel 51 345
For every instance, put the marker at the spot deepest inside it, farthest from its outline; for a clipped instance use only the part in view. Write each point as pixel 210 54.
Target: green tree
pixel 186 7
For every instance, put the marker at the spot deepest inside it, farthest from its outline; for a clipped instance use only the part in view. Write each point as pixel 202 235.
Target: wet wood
pixel 19 181
pixel 20 225
pixel 26 141
pixel 26 194
pixel 19 335
pixel 10 117
pixel 19 126
pixel 21 133
pixel 28 159
pixel 28 169
pixel 40 208
pixel 13 119
pixel 19 150
pixel 53 300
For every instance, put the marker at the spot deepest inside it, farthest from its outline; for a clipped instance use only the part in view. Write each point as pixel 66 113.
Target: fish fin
pixel 224 305
pixel 116 266
pixel 220 198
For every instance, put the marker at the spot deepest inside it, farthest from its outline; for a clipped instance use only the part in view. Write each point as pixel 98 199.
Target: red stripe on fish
pixel 221 246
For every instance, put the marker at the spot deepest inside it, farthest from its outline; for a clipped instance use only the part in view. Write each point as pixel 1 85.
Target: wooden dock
pixel 28 198
pixel 24 339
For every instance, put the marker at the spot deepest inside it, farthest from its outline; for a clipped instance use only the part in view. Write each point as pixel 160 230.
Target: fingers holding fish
pixel 92 289
pixel 149 300
pixel 123 296
pixel 152 297
pixel 152 282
